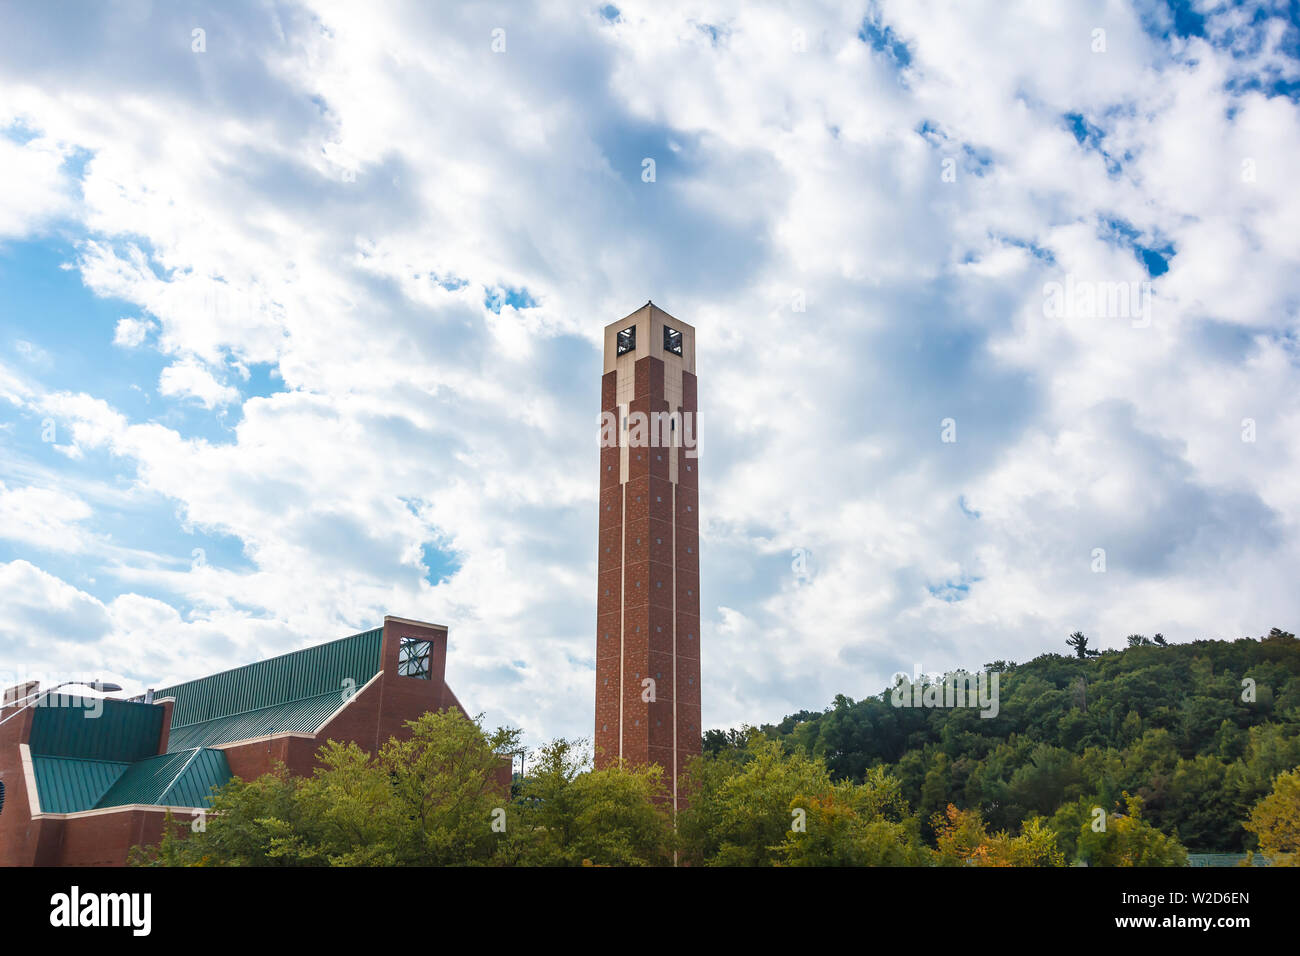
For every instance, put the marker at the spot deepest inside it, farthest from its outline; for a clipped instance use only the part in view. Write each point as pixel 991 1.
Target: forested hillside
pixel 1198 731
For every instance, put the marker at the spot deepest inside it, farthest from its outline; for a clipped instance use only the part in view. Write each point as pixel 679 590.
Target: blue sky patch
pixel 1041 253
pixel 1187 22
pixel 977 160
pixel 439 563
pixel 953 591
pixel 500 296
pixel 882 38
pixel 1154 256
pixel 1090 136
pixel 19 133
pixel 68 330
pixel 718 35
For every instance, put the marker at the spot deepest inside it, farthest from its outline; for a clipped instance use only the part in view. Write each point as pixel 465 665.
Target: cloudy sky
pixel 300 306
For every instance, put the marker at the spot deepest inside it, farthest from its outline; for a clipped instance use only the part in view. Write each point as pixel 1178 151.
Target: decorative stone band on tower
pixel 648 599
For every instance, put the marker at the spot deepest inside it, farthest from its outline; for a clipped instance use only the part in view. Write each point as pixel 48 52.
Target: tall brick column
pixel 648 599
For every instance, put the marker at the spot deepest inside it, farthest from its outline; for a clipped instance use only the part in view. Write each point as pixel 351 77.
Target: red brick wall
pixel 105 839
pixel 609 594
pixel 19 834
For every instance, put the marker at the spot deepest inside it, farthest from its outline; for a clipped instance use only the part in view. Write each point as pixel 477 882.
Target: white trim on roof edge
pixel 29 775
pixel 100 811
pixel 343 706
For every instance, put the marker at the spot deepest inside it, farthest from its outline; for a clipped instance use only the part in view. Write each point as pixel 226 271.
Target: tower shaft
pixel 648 599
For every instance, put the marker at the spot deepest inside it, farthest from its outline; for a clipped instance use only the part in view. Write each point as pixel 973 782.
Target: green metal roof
pixel 294 692
pixel 95 728
pixel 296 716
pixel 66 784
pixel 182 779
pixel 311 672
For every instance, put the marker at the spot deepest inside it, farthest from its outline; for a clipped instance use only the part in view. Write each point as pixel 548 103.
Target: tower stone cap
pixel 649 321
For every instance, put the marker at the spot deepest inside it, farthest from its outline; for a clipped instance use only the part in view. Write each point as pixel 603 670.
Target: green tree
pixel 1128 840
pixel 962 839
pixel 1079 642
pixel 241 829
pixel 568 815
pixel 1275 821
pixel 739 815
pixel 852 825
pixel 427 800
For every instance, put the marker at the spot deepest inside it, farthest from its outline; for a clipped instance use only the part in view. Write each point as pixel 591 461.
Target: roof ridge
pixel 162 794
pixel 174 779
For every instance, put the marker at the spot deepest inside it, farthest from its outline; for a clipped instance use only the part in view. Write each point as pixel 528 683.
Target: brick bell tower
pixel 648 600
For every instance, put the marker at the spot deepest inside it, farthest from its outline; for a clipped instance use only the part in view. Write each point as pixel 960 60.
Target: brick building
pixel 648 597
pixel 82 780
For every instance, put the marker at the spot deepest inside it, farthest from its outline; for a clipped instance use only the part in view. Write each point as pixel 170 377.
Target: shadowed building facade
pixel 648 598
